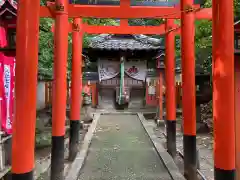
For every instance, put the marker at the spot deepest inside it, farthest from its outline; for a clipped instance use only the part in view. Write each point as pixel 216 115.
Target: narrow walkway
pixel 121 150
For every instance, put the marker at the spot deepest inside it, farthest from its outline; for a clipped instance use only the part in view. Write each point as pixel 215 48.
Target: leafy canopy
pixel 203 40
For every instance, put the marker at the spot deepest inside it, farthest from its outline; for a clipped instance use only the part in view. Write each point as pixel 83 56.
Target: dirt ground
pixel 43 143
pixel 204 146
pixel 43 146
pixel 121 150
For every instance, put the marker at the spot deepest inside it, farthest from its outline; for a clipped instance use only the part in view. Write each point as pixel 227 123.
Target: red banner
pixel 7 68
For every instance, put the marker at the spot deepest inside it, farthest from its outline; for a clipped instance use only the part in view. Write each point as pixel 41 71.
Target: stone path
pixel 121 150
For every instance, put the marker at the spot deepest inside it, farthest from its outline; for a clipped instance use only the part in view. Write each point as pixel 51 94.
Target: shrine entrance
pixel 140 55
pixel 187 12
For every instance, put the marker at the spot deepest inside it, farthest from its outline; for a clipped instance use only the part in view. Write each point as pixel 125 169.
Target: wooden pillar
pixel 160 102
pixel 146 94
pixel 170 88
pixel 124 4
pixel 94 94
pixel 76 88
pixel 59 89
pixel 223 90
pixel 188 89
pixel 68 92
pixel 25 90
pixel 50 93
pixel 178 94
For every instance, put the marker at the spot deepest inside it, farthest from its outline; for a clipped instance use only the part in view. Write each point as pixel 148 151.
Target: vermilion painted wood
pixel 160 95
pixel 76 84
pixel 177 32
pixel 25 88
pixel 188 70
pixel 188 90
pixel 125 29
pixel 60 72
pixel 223 83
pixel 129 12
pixel 170 72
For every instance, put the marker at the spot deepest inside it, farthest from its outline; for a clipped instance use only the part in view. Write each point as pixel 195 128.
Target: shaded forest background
pixel 203 40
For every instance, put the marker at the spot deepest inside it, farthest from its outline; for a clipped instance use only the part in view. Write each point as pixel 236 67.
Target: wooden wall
pixel 114 82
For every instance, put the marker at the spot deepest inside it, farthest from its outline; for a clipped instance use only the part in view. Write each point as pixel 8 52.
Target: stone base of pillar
pixel 160 122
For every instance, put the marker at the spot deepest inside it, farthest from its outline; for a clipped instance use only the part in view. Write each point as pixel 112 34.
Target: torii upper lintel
pixel 106 11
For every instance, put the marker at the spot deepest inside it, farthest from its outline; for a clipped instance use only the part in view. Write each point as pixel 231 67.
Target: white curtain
pixel 136 69
pixel 107 69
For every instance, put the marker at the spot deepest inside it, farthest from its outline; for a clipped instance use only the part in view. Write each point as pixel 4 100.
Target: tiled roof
pixel 13 3
pixel 125 42
pixel 7 7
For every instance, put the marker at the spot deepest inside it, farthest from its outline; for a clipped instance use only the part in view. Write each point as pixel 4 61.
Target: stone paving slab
pixel 172 168
pixel 121 150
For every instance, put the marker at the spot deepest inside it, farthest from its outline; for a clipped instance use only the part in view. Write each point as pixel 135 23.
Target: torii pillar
pixel 223 90
pixel 76 87
pixel 170 88
pixel 188 88
pixel 26 90
pixel 59 89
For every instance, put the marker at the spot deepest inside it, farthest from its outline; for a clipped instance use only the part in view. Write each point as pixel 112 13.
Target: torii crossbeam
pixel 129 11
pixel 29 13
pixel 122 29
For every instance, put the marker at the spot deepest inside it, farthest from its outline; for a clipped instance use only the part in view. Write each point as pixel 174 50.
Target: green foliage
pixel 45 49
pixel 203 40
pixel 237 8
pixel 145 22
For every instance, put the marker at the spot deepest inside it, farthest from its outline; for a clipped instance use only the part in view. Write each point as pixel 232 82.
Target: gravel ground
pixel 45 163
pixel 121 150
pixel 204 145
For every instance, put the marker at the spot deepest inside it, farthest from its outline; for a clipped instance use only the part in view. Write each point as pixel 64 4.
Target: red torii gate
pixel 168 28
pixel 106 11
pixel 124 28
pixel 27 51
